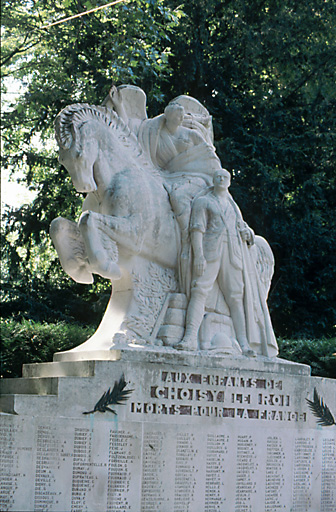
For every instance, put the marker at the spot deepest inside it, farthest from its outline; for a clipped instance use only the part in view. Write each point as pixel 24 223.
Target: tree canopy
pixel 266 72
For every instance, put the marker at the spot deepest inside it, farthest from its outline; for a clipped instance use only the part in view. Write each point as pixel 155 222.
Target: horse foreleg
pixel 123 230
pixel 100 246
pixel 71 250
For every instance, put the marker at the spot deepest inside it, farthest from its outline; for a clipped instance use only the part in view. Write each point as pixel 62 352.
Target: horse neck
pixel 107 156
pixel 115 156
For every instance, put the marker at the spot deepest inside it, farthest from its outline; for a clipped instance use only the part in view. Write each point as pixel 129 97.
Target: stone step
pixel 29 386
pixel 59 369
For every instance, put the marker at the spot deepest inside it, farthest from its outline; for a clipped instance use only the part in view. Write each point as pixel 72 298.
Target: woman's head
pixel 174 113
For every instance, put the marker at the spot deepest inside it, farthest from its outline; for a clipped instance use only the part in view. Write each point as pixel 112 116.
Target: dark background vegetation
pixel 266 71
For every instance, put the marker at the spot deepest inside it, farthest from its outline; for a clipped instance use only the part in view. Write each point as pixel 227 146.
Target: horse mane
pixel 73 117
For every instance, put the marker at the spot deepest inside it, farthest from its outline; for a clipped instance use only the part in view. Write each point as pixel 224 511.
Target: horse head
pixel 76 152
pixel 79 132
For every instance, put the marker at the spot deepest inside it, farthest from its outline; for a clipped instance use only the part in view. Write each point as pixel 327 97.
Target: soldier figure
pixel 217 232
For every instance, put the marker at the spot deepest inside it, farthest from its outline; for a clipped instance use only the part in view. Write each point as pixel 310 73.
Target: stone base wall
pixel 195 434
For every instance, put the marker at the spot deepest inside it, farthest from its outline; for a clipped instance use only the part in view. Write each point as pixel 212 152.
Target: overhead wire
pixel 80 14
pixel 63 20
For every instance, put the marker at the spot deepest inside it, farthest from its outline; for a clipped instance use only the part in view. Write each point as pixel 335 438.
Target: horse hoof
pixel 81 275
pixel 114 271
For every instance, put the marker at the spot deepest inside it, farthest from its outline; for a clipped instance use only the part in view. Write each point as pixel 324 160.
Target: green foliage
pixel 320 354
pixel 35 342
pixel 27 341
pixel 49 302
pixel 266 71
pixel 75 61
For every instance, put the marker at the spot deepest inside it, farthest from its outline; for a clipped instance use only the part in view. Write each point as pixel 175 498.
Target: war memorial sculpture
pixel 146 181
pixel 178 402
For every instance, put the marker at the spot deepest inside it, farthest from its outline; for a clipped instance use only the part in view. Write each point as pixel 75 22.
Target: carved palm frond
pixel 117 396
pixel 321 411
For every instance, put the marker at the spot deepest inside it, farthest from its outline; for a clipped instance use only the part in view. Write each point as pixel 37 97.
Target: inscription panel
pixel 198 441
pixel 124 468
pixel 188 463
pixel 217 474
pixel 154 472
pixel 117 467
pixel 246 475
pixel 195 395
pixel 304 458
pixel 49 468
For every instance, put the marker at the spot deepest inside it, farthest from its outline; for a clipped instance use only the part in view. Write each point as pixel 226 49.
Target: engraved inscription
pixel 186 470
pixel 219 396
pixel 304 457
pixel 47 466
pixel 82 477
pixel 120 471
pixel 154 492
pixel 328 484
pixel 216 463
pixel 246 479
pixel 275 481
pixel 10 473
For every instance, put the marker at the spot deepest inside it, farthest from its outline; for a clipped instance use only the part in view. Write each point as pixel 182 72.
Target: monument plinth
pixel 178 402
pixel 194 433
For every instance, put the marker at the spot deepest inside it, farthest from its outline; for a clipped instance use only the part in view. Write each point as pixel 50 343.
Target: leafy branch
pixel 117 396
pixel 24 47
pixel 321 411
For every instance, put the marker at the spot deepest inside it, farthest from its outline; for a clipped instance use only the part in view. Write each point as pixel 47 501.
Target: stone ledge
pixel 206 359
pixel 29 386
pixel 59 369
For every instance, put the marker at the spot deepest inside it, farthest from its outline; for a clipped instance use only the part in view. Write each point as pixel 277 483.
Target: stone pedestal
pixel 197 433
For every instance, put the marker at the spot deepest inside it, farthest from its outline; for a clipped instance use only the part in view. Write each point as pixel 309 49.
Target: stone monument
pixel 151 206
pixel 178 402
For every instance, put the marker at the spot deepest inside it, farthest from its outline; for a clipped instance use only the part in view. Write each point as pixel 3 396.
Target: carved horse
pixel 127 221
pixel 126 200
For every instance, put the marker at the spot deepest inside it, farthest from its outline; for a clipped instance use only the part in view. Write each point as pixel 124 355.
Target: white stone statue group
pixel 158 221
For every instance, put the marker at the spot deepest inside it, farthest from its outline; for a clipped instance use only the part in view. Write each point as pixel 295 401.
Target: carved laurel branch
pixel 117 396
pixel 150 294
pixel 321 411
